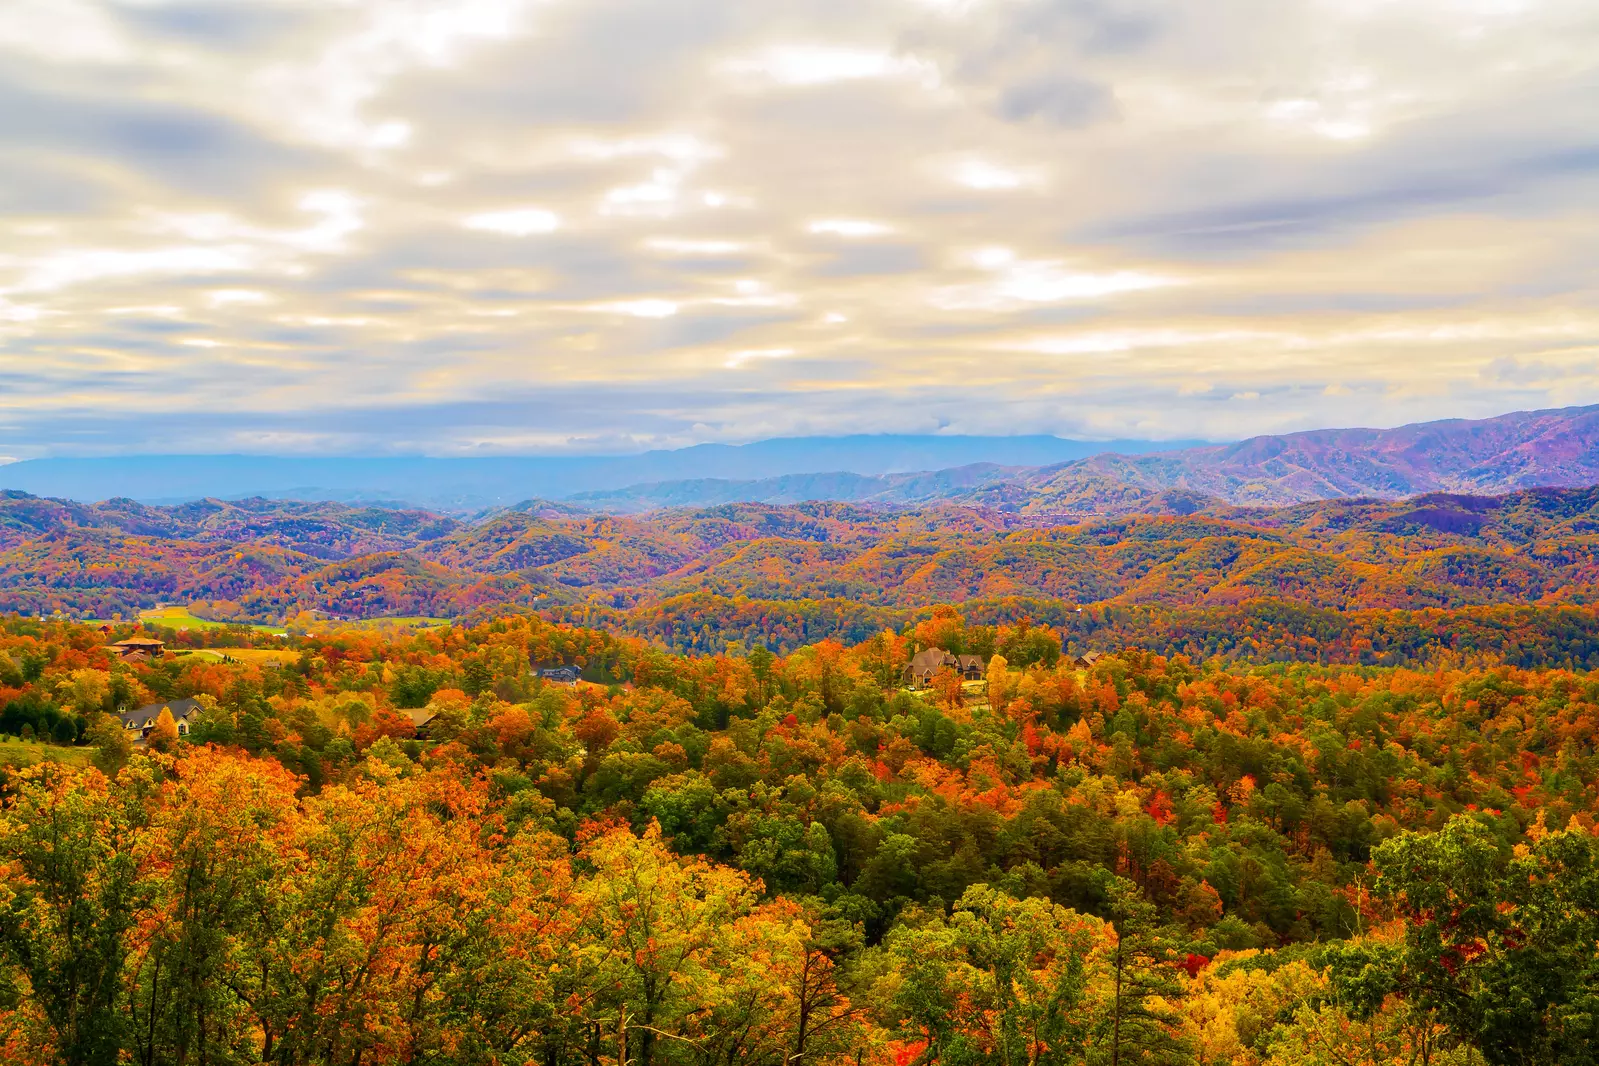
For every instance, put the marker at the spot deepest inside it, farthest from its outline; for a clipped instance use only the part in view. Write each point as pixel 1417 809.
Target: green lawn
pixel 177 618
pixel 248 655
pixel 415 621
pixel 19 753
pixel 180 618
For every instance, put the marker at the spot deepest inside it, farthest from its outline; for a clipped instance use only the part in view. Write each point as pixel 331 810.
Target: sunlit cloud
pixel 809 65
pixel 739 358
pixel 1016 282
pixel 541 223
pixel 225 297
pixel 638 308
pixel 515 222
pixel 849 227
pixel 986 176
pixel 688 246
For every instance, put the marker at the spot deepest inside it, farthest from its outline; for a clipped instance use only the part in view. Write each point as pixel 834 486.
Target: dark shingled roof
pixel 145 717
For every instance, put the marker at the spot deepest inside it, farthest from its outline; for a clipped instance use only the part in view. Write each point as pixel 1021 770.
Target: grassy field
pixel 19 753
pixel 406 621
pixel 177 618
pixel 245 655
pixel 181 618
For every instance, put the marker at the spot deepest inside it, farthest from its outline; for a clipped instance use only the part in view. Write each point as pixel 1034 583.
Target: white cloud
pixel 515 221
pixel 375 42
pixel 739 358
pixel 809 65
pixel 645 308
pixel 685 149
pixel 62 30
pixel 1132 340
pixel 228 297
pixel 689 246
pixel 1016 283
pixel 849 227
pixel 986 176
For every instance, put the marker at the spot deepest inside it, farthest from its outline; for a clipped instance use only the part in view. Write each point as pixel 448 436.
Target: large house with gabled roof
pixel 143 720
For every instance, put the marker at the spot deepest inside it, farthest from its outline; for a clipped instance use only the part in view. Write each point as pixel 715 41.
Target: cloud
pixel 849 227
pixel 391 225
pixel 1062 100
pixel 809 65
pixel 515 221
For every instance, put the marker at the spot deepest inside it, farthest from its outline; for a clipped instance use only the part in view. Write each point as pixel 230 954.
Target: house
pixel 929 662
pixel 925 663
pixel 560 675
pixel 143 720
pixel 140 646
pixel 420 719
pixel 1087 659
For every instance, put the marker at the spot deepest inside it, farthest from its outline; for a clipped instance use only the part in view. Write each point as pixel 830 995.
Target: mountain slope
pixel 269 562
pixel 1486 456
pixel 1495 455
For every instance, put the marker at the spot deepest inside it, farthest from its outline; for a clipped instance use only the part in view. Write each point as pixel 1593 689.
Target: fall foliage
pixel 750 858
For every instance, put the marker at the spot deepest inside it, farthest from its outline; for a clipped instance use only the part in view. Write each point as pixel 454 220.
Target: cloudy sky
pixel 460 226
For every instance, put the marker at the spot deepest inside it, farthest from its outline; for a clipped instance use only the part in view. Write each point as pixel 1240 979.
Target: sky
pixel 529 226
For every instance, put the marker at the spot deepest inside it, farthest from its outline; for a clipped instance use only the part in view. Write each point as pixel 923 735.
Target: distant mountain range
pixel 1020 475
pixel 465 486
pixel 1492 455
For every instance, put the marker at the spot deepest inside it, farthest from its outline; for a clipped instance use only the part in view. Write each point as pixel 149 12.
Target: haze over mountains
pixel 1496 455
pixel 1444 514
pixel 1026 475
pixel 465 485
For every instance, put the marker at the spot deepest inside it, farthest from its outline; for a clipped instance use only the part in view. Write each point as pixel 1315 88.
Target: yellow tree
pixel 664 930
pixel 1230 1013
pixel 164 734
pixel 217 850
pixel 85 689
pixel 1001 684
pixel 1001 980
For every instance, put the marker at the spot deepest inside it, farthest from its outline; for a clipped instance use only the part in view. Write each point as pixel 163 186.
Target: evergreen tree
pixel 1143 968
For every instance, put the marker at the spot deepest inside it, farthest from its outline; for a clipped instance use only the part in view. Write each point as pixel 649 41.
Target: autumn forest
pixel 375 844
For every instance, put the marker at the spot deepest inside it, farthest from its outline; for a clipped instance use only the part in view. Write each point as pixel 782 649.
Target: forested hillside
pixel 1355 581
pixel 756 859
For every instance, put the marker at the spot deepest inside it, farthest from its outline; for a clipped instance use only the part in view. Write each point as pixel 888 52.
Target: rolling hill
pixel 268 561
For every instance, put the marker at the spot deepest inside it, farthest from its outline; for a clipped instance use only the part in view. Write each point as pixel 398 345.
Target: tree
pixel 1143 968
pixel 824 1020
pixel 65 731
pixel 947 683
pixel 1498 943
pixel 658 926
pixel 85 690
pixel 69 870
pixel 215 858
pixel 164 734
pixel 111 743
pixel 1000 684
pixel 1001 981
